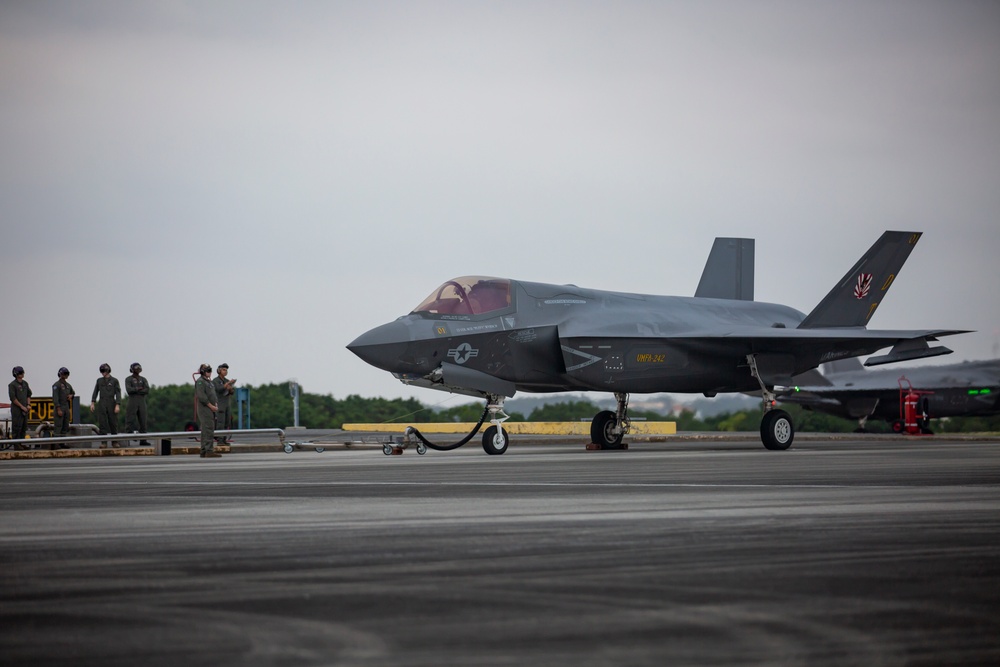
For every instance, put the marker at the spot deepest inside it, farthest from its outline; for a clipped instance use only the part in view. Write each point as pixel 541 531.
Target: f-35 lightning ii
pixel 846 389
pixel 490 337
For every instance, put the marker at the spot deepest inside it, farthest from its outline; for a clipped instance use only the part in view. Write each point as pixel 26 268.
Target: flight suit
pixel 137 387
pixel 223 417
pixel 204 392
pixel 21 392
pixel 110 393
pixel 62 397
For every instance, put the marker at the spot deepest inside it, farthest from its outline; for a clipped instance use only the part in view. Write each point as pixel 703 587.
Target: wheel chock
pixel 396 451
pixel 594 447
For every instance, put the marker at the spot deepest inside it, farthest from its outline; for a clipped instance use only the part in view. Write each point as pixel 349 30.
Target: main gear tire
pixel 776 430
pixel 602 430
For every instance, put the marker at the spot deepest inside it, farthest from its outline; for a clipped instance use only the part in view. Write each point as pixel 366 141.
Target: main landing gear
pixel 608 428
pixel 776 429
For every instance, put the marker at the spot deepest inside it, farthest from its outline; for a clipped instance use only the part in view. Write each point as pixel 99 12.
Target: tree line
pixel 172 408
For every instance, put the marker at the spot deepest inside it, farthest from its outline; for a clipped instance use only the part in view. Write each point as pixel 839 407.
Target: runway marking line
pixel 588 485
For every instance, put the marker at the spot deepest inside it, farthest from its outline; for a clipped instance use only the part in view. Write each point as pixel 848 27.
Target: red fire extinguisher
pixel 911 414
pixel 913 419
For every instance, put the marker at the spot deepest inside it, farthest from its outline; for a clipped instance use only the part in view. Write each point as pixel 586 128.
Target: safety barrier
pixel 161 440
pixel 516 428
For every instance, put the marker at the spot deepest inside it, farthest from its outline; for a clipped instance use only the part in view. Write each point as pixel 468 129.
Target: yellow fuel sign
pixel 43 409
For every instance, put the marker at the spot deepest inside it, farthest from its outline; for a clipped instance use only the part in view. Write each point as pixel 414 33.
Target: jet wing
pixel 783 337
pixel 781 352
pixel 835 343
pixel 889 336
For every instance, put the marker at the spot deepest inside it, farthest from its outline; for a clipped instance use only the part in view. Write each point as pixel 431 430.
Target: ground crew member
pixel 62 397
pixel 137 387
pixel 208 405
pixel 20 404
pixel 223 390
pixel 109 404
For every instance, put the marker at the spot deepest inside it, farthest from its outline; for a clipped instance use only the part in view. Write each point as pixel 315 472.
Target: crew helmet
pixel 135 367
pixel 17 370
pixel 105 368
pixel 63 372
pixel 205 368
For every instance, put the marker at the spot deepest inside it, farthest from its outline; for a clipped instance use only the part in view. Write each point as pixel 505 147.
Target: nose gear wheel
pixel 495 439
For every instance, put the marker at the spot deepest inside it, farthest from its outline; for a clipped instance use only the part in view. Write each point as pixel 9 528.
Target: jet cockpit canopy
pixel 468 295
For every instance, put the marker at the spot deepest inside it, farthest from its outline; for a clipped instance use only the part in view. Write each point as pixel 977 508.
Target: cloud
pixel 263 183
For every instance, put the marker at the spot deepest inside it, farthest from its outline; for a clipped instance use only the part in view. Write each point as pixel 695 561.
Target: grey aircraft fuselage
pixel 970 388
pixel 561 337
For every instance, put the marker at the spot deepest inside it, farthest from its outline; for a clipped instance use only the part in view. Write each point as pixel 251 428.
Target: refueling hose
pixel 448 448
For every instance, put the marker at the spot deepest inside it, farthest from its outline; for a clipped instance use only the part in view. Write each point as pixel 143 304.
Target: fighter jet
pixel 491 337
pixel 845 389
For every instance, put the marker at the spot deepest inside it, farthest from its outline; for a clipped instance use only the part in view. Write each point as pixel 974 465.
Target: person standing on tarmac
pixel 223 390
pixel 62 397
pixel 109 404
pixel 137 387
pixel 208 405
pixel 20 404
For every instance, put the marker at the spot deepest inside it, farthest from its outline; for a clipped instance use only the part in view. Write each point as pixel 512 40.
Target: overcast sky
pixel 260 182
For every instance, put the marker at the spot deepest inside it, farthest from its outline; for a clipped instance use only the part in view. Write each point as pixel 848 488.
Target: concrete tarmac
pixel 850 551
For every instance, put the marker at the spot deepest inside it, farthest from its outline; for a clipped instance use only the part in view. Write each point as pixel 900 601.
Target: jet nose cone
pixel 383 346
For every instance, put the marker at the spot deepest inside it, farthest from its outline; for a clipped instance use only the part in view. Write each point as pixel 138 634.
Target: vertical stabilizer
pixel 728 272
pixel 854 300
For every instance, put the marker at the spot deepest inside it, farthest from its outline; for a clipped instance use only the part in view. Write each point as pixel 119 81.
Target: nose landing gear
pixel 495 439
